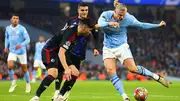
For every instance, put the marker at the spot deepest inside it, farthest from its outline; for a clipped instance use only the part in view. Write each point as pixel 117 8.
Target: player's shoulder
pixel 72 18
pixel 128 15
pixel 107 12
pixel 21 26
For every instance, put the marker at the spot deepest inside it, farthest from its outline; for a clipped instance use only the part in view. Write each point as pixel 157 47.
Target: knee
pixel 110 71
pixel 24 68
pixel 133 69
pixel 76 73
pixel 53 72
pixel 10 65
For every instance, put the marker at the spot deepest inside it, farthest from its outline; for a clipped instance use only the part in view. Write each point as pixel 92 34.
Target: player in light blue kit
pixel 16 39
pixel 38 58
pixel 114 25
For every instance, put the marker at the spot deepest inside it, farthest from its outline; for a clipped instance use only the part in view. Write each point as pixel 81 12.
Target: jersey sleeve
pixel 102 21
pixel 26 37
pixel 142 25
pixel 6 38
pixel 67 38
pixel 95 34
pixel 66 25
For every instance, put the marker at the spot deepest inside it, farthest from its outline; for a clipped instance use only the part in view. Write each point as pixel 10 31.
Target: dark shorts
pixel 51 60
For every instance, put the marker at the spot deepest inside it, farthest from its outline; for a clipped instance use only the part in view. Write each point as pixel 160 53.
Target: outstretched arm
pixel 143 25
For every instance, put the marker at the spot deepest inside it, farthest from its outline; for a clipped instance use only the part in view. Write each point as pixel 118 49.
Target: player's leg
pixel 52 67
pixel 23 60
pixel 11 59
pixel 128 61
pixel 58 84
pixel 110 65
pixel 67 86
pixel 52 74
pixel 34 73
pixel 130 64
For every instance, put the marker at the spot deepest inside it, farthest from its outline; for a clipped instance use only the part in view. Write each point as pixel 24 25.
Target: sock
pixel 68 85
pixel 27 78
pixel 58 81
pixel 11 74
pixel 117 84
pixel 34 74
pixel 44 84
pixel 143 71
pixel 46 73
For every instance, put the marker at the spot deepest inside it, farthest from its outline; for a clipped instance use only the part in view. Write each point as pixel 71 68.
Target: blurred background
pixel 156 49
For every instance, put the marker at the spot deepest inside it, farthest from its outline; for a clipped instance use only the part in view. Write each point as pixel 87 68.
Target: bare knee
pixel 53 72
pixel 110 71
pixel 130 64
pixel 24 67
pixel 10 64
pixel 133 69
pixel 75 71
pixel 110 65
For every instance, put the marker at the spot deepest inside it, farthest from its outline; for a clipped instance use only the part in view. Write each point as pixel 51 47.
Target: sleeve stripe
pixel 72 37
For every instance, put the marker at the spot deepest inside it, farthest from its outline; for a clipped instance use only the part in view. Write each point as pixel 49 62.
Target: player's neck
pixel 13 25
pixel 80 17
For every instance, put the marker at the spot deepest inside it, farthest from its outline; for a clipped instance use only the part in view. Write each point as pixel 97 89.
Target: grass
pixel 94 91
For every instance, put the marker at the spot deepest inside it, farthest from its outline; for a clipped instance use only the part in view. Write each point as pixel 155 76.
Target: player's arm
pixel 144 25
pixel 6 41
pixel 103 22
pixel 26 37
pixel 95 34
pixel 64 46
pixel 25 42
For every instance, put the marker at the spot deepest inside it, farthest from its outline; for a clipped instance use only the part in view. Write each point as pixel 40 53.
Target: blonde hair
pixel 119 5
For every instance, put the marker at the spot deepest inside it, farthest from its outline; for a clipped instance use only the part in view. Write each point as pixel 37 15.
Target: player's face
pixel 15 20
pixel 83 11
pixel 119 14
pixel 41 39
pixel 84 30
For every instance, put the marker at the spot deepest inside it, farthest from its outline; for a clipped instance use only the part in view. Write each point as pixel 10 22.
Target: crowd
pixel 156 49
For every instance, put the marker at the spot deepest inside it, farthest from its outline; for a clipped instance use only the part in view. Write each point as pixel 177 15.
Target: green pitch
pixel 94 91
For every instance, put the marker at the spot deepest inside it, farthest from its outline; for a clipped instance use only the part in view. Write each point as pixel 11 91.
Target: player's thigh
pixel 75 71
pixel 107 53
pixel 130 64
pixel 11 59
pixel 51 61
pixel 126 58
pixel 23 61
pixel 22 58
pixel 110 65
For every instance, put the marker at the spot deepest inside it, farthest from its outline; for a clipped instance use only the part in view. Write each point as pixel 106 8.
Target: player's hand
pixel 6 50
pixel 68 74
pixel 18 46
pixel 114 24
pixel 96 52
pixel 162 23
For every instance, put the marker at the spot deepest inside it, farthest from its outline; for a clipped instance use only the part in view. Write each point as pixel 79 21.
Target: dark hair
pixel 14 14
pixel 82 4
pixel 89 22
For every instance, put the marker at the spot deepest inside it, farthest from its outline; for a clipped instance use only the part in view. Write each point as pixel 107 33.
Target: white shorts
pixel 39 63
pixel 22 58
pixel 121 53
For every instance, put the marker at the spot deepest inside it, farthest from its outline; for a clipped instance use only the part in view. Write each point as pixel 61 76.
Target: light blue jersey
pixel 38 50
pixel 115 37
pixel 16 35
